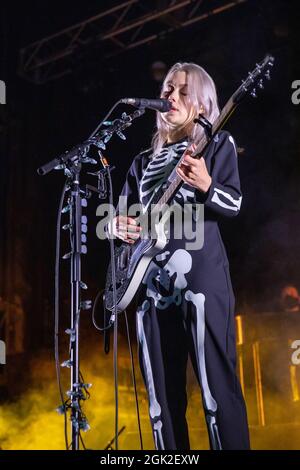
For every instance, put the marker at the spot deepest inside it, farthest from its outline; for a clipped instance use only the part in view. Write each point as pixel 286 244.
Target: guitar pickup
pixel 123 259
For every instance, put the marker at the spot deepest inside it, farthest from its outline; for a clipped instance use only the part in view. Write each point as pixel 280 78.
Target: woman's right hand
pixel 126 228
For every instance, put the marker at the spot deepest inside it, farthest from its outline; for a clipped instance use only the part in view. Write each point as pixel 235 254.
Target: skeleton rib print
pixel 157 172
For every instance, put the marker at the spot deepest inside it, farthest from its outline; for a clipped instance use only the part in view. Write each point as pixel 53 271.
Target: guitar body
pixel 131 263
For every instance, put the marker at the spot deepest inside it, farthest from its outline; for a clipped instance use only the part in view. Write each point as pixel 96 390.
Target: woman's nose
pixel 172 96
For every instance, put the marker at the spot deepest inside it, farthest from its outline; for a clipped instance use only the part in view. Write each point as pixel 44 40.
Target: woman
pixel 186 302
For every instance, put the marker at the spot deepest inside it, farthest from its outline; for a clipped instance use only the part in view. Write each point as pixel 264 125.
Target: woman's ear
pixel 202 109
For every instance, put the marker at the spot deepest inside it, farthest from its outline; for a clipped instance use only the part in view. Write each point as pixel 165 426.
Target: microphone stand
pixel 76 391
pixel 71 162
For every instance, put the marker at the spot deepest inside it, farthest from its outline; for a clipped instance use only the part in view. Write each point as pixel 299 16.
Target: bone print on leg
pixel 180 263
pixel 154 406
pixel 210 405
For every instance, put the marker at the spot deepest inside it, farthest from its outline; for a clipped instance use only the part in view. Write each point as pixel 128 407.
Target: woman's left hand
pixel 194 172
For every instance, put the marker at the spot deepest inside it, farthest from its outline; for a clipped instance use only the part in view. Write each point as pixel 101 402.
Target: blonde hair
pixel 201 92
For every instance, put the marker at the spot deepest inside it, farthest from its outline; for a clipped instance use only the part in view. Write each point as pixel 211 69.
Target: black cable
pixel 80 437
pixel 87 393
pixel 93 313
pixel 115 314
pixel 134 381
pixel 56 312
pixel 104 119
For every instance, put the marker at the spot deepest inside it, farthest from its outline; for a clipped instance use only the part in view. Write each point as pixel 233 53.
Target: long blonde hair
pixel 201 91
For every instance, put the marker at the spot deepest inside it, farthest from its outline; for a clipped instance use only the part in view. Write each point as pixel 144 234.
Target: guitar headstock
pixel 255 79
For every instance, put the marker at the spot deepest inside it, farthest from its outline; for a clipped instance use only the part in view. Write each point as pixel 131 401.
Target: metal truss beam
pixel 120 28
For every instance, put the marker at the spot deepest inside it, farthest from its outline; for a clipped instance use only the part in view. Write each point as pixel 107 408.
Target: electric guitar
pixel 132 260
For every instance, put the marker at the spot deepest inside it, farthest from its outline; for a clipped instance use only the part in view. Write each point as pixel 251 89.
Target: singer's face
pixel 176 91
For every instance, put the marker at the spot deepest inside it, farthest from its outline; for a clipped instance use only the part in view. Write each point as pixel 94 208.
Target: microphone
pixel 158 105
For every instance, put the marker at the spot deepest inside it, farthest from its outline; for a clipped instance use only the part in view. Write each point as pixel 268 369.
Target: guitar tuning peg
pixel 261 84
pixel 244 86
pixel 267 75
pixel 253 93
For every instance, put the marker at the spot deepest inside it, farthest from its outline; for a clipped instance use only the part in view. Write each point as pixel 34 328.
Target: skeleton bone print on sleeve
pixel 224 195
pixel 158 170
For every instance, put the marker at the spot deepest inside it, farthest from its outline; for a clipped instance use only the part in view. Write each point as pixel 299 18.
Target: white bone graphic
pixel 179 264
pixel 158 170
pixel 154 406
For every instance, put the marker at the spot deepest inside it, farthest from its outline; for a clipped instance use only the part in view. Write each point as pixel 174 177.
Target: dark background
pixel 41 121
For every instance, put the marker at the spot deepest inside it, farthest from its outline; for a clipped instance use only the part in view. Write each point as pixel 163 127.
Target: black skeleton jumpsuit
pixel 186 305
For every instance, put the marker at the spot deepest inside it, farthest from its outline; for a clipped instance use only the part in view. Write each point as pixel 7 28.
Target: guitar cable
pixel 133 375
pixel 114 317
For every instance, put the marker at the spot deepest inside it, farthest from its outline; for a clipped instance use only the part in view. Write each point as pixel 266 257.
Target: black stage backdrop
pixel 41 121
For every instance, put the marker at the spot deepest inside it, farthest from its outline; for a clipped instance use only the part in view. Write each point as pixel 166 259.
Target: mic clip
pixel 205 124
